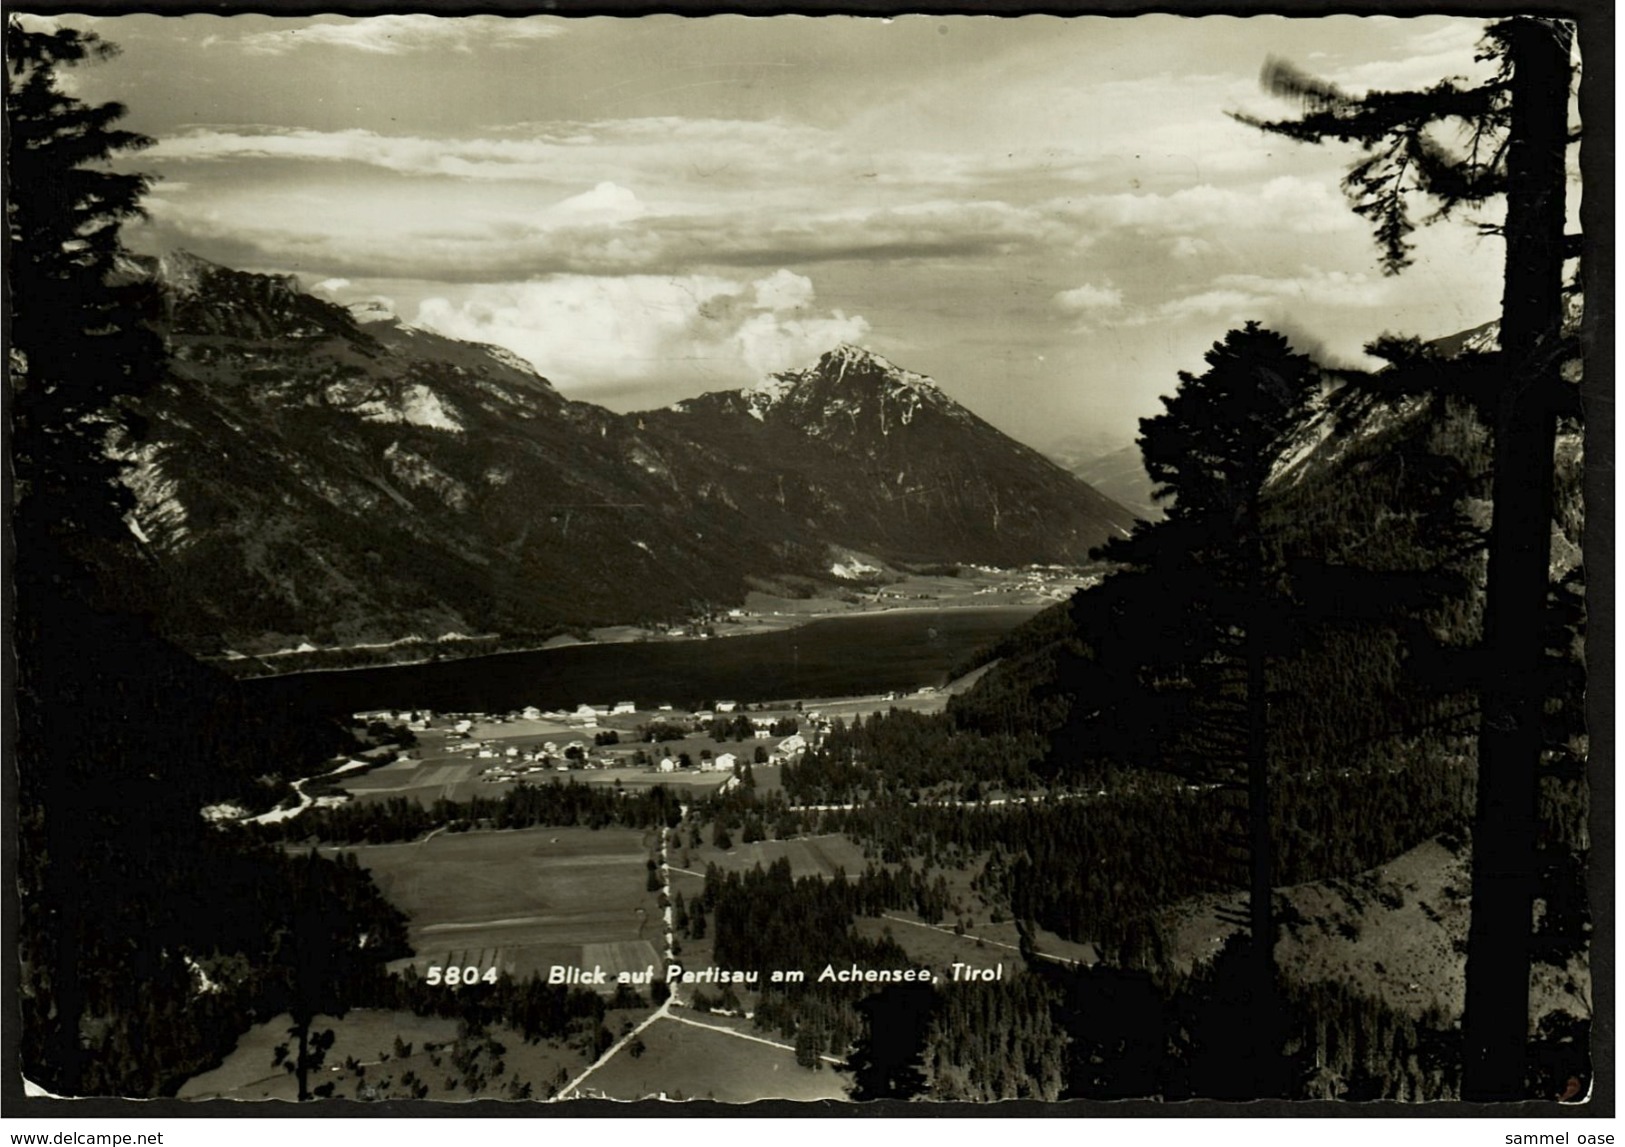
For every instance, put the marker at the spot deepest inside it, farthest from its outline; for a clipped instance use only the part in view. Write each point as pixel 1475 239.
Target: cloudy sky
pixel 1050 216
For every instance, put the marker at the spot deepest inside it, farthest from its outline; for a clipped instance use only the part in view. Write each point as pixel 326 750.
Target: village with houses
pixel 434 754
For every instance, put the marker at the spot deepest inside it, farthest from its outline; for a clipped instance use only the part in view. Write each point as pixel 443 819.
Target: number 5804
pixel 453 976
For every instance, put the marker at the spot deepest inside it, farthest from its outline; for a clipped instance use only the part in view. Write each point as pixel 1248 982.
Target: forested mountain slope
pixel 313 476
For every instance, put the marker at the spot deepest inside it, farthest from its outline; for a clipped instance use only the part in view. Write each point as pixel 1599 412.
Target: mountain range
pixel 1120 475
pixel 311 475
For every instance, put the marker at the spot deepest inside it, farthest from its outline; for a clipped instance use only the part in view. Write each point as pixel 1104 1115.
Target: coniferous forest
pixel 1356 636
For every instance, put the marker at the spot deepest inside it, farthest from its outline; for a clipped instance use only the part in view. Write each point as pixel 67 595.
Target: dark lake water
pixel 843 656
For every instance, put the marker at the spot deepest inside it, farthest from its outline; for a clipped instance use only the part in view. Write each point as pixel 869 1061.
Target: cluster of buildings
pixel 516 762
pixel 416 720
pixel 789 749
pixel 512 758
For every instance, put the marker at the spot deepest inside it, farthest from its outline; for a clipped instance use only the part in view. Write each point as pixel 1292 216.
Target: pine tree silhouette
pixel 1216 577
pixel 76 346
pixel 1517 133
pixel 887 1062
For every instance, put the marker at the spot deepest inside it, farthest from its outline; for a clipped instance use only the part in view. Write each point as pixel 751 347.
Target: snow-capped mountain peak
pixel 844 367
pixel 851 359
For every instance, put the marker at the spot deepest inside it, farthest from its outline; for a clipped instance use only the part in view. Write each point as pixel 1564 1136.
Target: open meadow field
pixel 364 1035
pixel 518 900
pixel 521 730
pixel 433 776
pixel 366 1061
pixel 681 1059
pixel 769 779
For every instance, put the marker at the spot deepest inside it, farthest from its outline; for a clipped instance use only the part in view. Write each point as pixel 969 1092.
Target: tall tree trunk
pixel 1258 810
pixel 56 928
pixel 302 1064
pixel 1496 1024
pixel 67 977
pixel 1266 1032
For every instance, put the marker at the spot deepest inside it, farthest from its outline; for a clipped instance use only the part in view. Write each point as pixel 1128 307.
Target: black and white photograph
pixel 672 562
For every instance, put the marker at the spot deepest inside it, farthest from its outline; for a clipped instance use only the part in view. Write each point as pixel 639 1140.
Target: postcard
pixel 932 559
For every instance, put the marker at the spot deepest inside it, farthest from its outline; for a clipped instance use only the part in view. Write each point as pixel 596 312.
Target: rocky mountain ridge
pixel 881 459
pixel 316 475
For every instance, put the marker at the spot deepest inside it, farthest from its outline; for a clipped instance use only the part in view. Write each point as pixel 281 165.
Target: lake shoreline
pixel 854 653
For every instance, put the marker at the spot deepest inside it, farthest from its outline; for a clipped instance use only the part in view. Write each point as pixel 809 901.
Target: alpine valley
pixel 313 475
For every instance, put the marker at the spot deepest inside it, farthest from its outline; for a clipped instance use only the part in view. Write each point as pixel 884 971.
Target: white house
pixel 531 713
pixel 622 708
pixel 586 712
pixel 667 765
pixel 795 743
pixel 725 763
pixel 727 706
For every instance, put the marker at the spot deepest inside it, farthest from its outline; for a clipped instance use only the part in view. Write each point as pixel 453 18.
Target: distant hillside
pixel 1121 476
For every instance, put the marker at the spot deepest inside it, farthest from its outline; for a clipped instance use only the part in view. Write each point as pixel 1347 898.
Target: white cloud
pixel 1322 288
pixel 783 290
pixel 608 202
pixel 332 288
pixel 1229 304
pixel 590 331
pixel 1286 203
pixel 713 153
pixel 1444 52
pixel 1090 298
pixel 1232 295
pixel 534 199
pixel 769 342
pixel 395 35
pixel 1237 297
pixel 481 232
